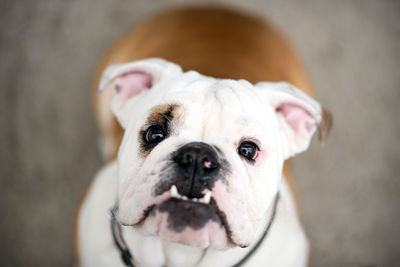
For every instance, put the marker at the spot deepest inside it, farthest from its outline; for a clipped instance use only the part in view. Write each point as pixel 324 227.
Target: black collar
pixel 126 255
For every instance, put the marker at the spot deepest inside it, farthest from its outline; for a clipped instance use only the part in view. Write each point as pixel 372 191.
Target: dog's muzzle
pixel 183 207
pixel 195 168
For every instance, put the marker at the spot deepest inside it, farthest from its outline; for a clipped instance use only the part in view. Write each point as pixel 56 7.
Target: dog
pixel 197 144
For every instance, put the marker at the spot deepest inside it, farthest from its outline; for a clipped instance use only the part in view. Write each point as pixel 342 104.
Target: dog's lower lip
pixel 212 203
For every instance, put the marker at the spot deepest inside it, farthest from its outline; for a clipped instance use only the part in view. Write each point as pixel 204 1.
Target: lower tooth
pixel 174 191
pixel 206 198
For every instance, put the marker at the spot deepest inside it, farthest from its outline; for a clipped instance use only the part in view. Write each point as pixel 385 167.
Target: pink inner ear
pixel 299 119
pixel 130 84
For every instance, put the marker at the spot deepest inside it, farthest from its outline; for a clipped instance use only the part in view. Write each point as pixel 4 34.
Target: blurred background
pixel 349 190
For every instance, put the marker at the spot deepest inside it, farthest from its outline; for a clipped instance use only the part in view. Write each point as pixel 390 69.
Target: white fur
pixel 285 245
pixel 218 112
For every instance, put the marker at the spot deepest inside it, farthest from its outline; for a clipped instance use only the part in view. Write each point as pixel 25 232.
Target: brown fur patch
pixel 161 113
pixel 165 115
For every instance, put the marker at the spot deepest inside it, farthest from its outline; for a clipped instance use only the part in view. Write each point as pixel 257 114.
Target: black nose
pixel 198 166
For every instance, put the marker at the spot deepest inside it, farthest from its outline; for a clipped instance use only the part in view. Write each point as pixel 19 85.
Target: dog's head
pixel 201 159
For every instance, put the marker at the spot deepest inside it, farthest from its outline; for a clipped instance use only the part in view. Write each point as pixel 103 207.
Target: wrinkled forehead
pixel 209 101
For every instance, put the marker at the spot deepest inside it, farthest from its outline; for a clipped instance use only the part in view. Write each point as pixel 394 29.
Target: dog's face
pixel 201 159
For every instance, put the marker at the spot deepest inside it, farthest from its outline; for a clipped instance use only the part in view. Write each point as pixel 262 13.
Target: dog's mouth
pixel 205 199
pixel 188 220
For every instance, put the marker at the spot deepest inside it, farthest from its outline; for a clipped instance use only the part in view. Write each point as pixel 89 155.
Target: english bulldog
pixel 198 180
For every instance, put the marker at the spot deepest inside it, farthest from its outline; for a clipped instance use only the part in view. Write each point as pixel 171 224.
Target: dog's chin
pixel 188 223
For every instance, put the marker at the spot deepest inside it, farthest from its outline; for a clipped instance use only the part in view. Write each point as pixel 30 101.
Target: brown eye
pixel 249 150
pixel 155 134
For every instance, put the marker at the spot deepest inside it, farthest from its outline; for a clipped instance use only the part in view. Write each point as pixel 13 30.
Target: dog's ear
pixel 130 80
pixel 299 115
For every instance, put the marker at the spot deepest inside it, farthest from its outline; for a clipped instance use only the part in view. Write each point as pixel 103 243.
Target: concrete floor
pixel 349 190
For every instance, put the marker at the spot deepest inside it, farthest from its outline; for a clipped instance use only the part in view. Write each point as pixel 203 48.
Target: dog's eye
pixel 249 150
pixel 154 134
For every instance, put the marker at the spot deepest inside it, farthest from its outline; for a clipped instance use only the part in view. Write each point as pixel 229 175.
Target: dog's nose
pixel 198 165
pixel 197 158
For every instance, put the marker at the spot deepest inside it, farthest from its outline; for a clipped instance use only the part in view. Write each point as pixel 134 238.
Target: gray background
pixel 349 190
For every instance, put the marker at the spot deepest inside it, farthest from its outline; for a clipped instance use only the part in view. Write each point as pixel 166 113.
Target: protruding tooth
pixel 184 197
pixel 194 199
pixel 174 192
pixel 207 197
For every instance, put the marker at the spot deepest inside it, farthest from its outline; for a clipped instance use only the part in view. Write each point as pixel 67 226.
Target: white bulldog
pixel 199 171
